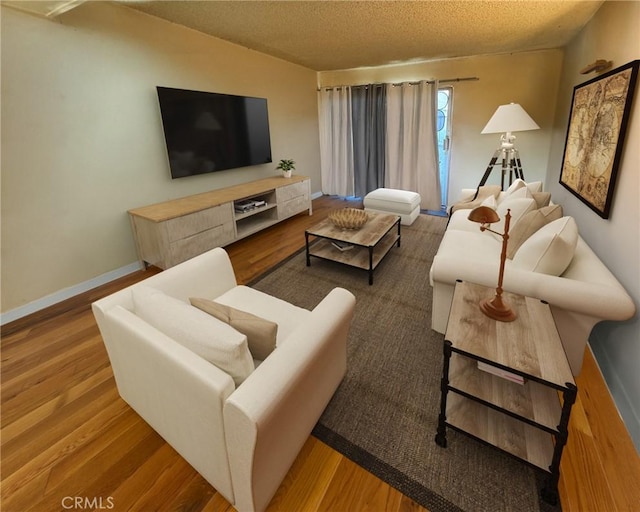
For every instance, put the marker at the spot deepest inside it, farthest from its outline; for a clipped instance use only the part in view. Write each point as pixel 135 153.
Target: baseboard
pixel 67 293
pixel 620 397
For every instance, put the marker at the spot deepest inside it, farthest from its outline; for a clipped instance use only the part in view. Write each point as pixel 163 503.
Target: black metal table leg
pixel 370 266
pixel 441 435
pixel 306 243
pixel 549 492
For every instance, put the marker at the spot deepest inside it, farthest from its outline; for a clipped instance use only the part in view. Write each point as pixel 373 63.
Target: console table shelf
pixel 171 232
pixel 520 411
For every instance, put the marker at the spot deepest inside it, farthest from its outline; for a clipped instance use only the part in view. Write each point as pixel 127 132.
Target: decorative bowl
pixel 348 218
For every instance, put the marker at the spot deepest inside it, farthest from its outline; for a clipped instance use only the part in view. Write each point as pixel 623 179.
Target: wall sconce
pixel 495 307
pixel 597 66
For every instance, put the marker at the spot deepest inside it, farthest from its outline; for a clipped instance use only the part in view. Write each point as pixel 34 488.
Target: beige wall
pixel 530 79
pixel 82 139
pixel 612 34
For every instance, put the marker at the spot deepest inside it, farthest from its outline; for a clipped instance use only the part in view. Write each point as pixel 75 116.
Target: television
pixel 210 132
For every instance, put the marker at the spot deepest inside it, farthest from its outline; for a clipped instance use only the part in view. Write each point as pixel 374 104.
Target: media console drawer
pixel 293 199
pixel 291 191
pixel 186 248
pixel 293 206
pixel 189 225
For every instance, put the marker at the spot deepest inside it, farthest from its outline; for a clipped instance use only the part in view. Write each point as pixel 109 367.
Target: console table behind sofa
pixel 174 231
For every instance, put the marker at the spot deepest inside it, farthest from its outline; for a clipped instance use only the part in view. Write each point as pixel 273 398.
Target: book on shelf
pixel 342 246
pixel 494 370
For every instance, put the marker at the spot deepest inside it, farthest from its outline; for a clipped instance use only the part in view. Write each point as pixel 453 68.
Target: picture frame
pixel 595 136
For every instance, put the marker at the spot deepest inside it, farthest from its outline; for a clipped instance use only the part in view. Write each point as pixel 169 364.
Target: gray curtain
pixel 369 121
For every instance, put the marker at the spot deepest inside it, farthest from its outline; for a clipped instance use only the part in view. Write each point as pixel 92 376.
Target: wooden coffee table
pixel 370 244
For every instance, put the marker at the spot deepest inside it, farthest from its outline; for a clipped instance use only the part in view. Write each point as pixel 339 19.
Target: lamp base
pixel 497 309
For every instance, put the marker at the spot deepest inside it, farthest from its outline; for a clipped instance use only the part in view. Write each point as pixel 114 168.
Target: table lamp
pixel 495 307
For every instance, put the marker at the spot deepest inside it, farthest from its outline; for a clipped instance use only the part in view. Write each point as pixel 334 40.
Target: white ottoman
pixel 398 202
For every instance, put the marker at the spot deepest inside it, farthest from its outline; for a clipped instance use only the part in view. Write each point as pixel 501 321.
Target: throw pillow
pixel 534 186
pixel 490 202
pixel 261 334
pixel 542 198
pixel 528 224
pixel 516 185
pixel 476 199
pixel 521 192
pixel 211 339
pixel 550 249
pixel 518 206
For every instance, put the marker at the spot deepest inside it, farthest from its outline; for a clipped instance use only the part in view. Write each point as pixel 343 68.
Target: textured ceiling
pixel 334 34
pixel 329 35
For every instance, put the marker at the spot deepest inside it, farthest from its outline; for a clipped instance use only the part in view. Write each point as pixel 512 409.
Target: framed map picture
pixel 597 125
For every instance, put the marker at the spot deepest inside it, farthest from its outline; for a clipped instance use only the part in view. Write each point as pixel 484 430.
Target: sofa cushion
pixel 457 243
pixel 210 338
pixel 459 221
pixel 261 334
pixel 528 224
pixel 550 249
pixel 286 315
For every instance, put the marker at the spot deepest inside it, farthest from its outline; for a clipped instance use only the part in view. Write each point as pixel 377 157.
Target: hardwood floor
pixel 66 435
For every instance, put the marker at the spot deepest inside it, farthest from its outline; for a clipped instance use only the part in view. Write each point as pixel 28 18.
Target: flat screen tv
pixel 209 132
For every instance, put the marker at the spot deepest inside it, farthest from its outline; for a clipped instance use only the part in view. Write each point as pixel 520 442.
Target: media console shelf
pixel 171 232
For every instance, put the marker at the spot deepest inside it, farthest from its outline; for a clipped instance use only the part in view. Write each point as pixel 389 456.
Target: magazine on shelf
pixel 518 379
pixel 342 246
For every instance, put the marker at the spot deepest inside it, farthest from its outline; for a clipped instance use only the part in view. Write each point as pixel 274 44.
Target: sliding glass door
pixel 445 96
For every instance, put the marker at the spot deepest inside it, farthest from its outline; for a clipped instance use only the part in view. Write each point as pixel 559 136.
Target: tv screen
pixel 209 132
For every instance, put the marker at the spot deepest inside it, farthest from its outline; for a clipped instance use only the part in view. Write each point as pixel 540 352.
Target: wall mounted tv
pixel 209 132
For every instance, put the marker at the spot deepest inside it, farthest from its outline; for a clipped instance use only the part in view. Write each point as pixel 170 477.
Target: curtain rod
pixel 443 81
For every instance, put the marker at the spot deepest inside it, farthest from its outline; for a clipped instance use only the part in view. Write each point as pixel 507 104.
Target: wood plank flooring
pixel 66 435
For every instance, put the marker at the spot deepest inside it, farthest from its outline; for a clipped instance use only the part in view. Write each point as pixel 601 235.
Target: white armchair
pixel 241 439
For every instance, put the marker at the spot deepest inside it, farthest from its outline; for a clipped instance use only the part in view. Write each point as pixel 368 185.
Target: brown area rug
pixel 384 414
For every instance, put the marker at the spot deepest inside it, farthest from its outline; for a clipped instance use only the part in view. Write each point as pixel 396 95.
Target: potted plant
pixel 286 166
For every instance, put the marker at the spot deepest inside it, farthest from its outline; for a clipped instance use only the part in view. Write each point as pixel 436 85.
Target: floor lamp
pixel 507 119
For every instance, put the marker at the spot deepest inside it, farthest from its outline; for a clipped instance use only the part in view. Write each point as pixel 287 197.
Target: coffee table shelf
pixel 355 257
pixel 371 243
pixel 521 415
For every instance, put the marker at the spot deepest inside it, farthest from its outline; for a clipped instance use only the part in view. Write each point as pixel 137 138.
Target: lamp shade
pixel 483 215
pixel 510 118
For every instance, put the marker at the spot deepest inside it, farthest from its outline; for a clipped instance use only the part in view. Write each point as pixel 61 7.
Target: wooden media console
pixel 173 231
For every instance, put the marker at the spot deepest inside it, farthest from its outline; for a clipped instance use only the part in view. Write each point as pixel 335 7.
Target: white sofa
pixel 582 295
pixel 241 438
